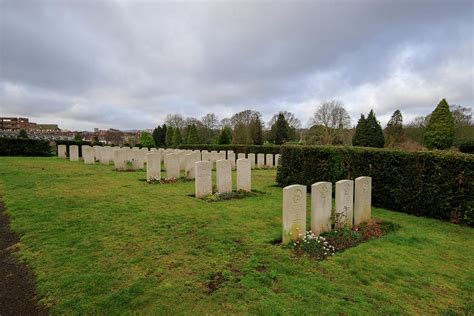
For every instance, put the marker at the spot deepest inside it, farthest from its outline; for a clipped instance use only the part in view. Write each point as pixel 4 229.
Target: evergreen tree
pixel 439 132
pixel 95 140
pixel 169 136
pixel 281 130
pixel 359 138
pixel 146 139
pixel 374 131
pixel 193 135
pixel 78 137
pixel 256 130
pixel 177 139
pixel 394 129
pixel 22 134
pixel 157 135
pixel 225 136
pixel 163 135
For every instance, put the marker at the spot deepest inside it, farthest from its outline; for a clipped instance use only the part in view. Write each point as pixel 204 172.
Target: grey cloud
pixel 121 63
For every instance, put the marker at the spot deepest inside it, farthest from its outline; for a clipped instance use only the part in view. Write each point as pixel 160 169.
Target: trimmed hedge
pixel 72 142
pixel 256 149
pixel 431 184
pixel 467 147
pixel 24 147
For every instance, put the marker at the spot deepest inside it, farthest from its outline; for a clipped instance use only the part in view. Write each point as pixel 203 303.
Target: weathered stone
pixel 260 161
pixel 103 155
pixel 363 200
pixel 191 159
pixel 62 149
pixel 321 207
pixel 244 175
pixel 231 158
pixel 294 212
pixel 135 158
pixel 251 157
pixel 277 160
pixel 206 155
pixel 241 155
pixel 203 182
pixel 229 152
pixel 120 159
pixel 153 166
pixel 223 176
pixel 73 153
pixel 344 203
pixel 172 166
pixel 88 155
pixel 269 161
pixel 96 152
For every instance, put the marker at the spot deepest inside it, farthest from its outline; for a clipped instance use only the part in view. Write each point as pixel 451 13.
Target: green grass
pixel 105 242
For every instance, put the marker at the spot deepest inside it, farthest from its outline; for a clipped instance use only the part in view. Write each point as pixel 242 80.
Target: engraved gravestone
pixel 294 212
pixel 363 200
pixel 345 202
pixel 153 166
pixel 321 207
pixel 203 179
pixel 223 176
pixel 244 176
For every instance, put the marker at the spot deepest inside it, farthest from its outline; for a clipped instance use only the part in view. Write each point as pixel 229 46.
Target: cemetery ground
pixel 100 241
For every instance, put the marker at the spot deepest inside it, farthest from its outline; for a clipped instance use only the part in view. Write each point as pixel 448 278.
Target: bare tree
pixel 175 121
pixel 226 122
pixel 290 118
pixel 210 121
pixel 333 117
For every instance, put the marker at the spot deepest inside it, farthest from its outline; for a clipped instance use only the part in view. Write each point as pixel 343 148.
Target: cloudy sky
pixel 126 64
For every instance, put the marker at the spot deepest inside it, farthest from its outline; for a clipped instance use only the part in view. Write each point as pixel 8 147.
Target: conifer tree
pixel 281 130
pixel 374 131
pixel 225 137
pixel 169 136
pixel 359 138
pixel 193 135
pixel 394 129
pixel 439 132
pixel 177 139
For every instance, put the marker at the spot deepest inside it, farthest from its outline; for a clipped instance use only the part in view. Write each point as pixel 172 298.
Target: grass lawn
pixel 101 241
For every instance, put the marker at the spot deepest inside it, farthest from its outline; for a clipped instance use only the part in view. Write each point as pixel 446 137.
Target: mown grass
pixel 105 242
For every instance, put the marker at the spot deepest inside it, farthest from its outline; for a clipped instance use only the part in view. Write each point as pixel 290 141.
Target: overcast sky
pixel 126 64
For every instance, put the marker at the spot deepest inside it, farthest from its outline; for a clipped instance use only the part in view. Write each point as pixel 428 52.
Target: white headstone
pixel 223 176
pixel 172 166
pixel 203 182
pixel 260 161
pixel 251 157
pixel 190 163
pixel 231 158
pixel 241 155
pixel 321 207
pixel 73 153
pixel 277 160
pixel 244 175
pixel 206 156
pixel 269 161
pixel 62 151
pixel 153 166
pixel 345 202
pixel 120 159
pixel 96 152
pixel 363 200
pixel 294 212
pixel 88 155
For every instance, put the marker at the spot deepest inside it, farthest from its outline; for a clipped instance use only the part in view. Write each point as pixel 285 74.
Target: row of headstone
pixel 353 206
pixel 203 176
pixel 135 158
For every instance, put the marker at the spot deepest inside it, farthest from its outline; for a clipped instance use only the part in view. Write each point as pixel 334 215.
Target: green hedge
pixel 24 147
pixel 431 184
pixel 72 142
pixel 467 147
pixel 256 149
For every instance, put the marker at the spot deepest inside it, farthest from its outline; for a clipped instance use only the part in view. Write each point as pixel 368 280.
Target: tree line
pixel 330 125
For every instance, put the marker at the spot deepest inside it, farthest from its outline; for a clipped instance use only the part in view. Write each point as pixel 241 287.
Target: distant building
pixel 18 123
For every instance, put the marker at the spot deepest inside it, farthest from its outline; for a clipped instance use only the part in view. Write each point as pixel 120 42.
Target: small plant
pixel 315 246
pixel 240 194
pixel 129 165
pixel 338 219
